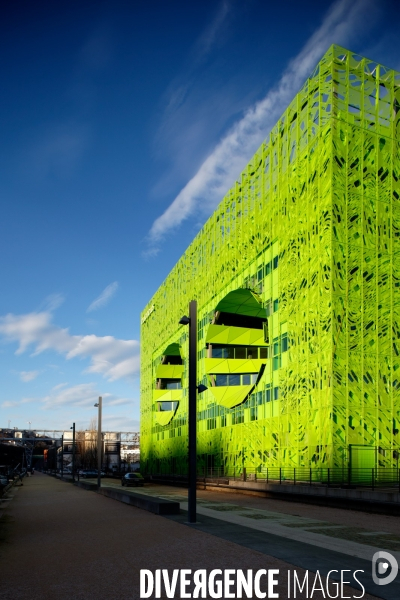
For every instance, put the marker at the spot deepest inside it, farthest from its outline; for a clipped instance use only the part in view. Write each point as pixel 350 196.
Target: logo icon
pixel 385 564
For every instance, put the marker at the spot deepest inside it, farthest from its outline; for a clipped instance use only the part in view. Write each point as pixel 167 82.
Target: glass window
pixel 276 393
pixel 276 304
pixel 221 380
pixel 251 352
pixel 285 342
pixel 163 406
pixel 240 352
pixel 230 352
pixel 234 379
pixel 246 379
pixel 268 268
pixel 276 261
pixel 264 352
pixel 216 352
pixel 268 395
pixel 253 377
pixel 173 385
pixel 276 347
pixel 268 307
pixel 260 275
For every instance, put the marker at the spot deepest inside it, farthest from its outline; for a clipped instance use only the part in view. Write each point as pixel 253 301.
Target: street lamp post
pixel 73 451
pixel 62 456
pixel 99 440
pixel 192 406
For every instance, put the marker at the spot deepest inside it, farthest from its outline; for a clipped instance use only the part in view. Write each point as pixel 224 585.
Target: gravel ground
pixel 61 542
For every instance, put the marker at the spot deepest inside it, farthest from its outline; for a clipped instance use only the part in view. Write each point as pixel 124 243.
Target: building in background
pixel 297 279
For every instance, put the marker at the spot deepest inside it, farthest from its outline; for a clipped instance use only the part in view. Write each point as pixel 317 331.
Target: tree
pixel 86 442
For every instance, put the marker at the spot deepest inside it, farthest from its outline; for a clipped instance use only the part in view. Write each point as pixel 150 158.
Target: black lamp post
pixel 73 451
pixel 99 440
pixel 62 456
pixel 192 406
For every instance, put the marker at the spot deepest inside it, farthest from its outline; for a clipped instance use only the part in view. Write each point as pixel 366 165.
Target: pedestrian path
pixel 307 542
pixel 60 541
pixel 353 541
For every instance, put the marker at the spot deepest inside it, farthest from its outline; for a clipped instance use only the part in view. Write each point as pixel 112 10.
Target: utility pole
pixel 99 442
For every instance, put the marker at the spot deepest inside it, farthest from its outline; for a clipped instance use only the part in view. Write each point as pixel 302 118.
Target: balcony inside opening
pixel 238 320
pixel 237 352
pixel 169 384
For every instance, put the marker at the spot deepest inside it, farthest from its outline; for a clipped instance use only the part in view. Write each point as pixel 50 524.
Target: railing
pixel 377 477
pixel 374 478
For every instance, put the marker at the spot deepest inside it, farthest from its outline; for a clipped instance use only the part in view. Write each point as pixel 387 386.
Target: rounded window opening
pixel 168 384
pixel 237 347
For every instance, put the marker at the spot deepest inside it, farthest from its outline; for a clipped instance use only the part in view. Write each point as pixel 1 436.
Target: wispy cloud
pixel 12 403
pixel 212 32
pixel 120 423
pixel 28 375
pixel 52 302
pixel 197 103
pixel 58 149
pixel 83 395
pixel 218 172
pixel 104 297
pixel 113 358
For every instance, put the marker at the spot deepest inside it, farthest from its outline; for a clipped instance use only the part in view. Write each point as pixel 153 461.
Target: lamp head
pixel 96 404
pixel 184 321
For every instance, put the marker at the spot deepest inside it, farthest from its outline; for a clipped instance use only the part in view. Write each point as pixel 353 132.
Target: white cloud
pixel 28 375
pixel 221 168
pixel 120 423
pixel 12 403
pixel 52 302
pixel 83 395
pixel 104 297
pixel 113 358
pixel 212 32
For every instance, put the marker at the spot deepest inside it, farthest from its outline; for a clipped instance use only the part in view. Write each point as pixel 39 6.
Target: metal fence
pixel 377 477
pixel 373 478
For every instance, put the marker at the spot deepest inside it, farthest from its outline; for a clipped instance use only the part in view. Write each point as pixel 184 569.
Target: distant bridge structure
pixel 123 443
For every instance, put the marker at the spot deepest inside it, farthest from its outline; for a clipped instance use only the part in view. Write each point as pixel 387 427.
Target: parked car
pixel 87 473
pixel 90 473
pixel 132 479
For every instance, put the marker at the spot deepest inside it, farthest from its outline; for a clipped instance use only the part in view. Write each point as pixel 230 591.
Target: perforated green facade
pixel 308 240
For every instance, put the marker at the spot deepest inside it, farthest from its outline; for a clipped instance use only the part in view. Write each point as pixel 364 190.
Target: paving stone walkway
pixel 60 542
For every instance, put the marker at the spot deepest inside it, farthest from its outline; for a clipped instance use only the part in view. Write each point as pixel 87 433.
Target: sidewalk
pixel 59 542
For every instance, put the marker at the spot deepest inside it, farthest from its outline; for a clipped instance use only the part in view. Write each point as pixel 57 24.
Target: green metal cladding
pixel 297 278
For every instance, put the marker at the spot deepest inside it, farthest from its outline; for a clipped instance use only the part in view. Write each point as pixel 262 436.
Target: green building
pixel 297 277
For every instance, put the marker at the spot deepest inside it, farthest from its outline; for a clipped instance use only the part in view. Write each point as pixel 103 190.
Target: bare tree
pixel 86 442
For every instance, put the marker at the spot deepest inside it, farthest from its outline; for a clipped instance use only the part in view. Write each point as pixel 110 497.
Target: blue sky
pixel 122 125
